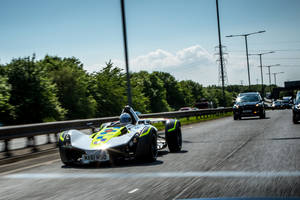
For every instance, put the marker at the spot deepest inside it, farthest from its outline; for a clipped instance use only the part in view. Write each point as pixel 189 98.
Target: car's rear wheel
pixel 174 137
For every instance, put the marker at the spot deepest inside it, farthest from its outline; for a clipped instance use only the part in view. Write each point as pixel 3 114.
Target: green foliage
pixel 6 109
pixel 140 102
pixel 153 88
pixel 193 92
pixel 108 87
pixel 32 92
pixel 57 88
pixel 174 93
pixel 72 84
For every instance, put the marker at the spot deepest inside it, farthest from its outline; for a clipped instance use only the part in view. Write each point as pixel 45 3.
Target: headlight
pixel 236 106
pixel 257 105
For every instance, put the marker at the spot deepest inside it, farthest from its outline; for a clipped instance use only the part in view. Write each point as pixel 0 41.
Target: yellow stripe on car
pixel 172 129
pixel 61 136
pixel 145 132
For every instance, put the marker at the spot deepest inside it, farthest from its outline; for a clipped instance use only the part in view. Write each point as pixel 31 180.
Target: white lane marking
pixel 134 190
pixel 195 174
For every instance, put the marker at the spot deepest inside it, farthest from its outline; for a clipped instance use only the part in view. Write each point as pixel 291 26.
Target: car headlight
pixel 236 106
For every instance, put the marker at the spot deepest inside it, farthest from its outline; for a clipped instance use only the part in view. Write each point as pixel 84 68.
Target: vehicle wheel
pixel 114 159
pixel 263 115
pixel 66 157
pixel 295 119
pixel 152 151
pixel 173 137
pixel 235 117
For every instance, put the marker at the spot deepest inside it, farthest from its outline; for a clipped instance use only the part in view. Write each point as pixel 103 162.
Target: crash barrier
pixel 29 131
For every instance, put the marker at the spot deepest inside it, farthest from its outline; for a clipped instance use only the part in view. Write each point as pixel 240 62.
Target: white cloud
pixel 166 61
pixel 194 63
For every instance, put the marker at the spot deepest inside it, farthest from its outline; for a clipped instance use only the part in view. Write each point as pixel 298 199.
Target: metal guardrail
pixel 8 133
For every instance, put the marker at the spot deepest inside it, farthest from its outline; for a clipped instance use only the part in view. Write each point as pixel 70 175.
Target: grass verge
pixel 192 120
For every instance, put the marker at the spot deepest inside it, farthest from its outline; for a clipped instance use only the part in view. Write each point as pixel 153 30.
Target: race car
pixel 129 138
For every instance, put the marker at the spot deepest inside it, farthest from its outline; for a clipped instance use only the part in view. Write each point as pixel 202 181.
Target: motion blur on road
pixel 251 157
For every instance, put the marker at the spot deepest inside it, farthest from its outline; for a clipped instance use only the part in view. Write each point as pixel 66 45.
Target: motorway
pixel 221 158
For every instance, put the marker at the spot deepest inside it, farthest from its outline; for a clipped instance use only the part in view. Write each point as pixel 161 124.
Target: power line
pixel 266 50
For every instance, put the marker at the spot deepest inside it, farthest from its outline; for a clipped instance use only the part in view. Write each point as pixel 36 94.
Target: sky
pixel 175 36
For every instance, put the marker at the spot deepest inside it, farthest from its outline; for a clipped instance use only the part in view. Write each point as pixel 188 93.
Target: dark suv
pixel 296 109
pixel 247 105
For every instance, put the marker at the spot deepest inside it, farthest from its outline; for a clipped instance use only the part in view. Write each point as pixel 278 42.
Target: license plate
pixel 247 111
pixel 96 157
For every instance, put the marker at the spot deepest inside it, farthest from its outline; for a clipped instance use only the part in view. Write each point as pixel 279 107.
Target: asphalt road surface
pixel 221 158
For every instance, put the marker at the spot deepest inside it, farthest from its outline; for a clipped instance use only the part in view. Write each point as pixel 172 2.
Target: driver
pixel 125 118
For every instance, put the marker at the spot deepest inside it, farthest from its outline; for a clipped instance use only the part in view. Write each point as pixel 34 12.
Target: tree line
pixel 55 88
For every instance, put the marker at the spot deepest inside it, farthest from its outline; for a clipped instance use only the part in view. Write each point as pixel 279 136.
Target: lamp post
pixel 269 70
pixel 246 35
pixel 275 73
pixel 261 72
pixel 126 52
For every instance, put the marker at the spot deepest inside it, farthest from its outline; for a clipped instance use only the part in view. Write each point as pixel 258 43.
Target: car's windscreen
pixel 248 98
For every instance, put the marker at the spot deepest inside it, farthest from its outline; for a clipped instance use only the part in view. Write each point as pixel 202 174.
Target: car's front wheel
pixel 152 151
pixel 295 119
pixel 263 115
pixel 235 117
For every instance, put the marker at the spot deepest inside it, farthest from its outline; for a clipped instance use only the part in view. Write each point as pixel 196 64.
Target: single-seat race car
pixel 129 138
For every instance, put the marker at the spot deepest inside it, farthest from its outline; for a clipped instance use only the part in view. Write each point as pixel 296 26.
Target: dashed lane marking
pixel 133 191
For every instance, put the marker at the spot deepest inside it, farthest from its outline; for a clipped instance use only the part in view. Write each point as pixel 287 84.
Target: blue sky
pixel 177 36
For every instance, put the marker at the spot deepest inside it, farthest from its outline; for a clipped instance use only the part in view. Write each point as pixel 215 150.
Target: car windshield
pixel 248 98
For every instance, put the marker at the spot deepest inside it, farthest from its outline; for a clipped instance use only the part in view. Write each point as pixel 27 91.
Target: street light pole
pixel 221 54
pixel 247 60
pixel 126 53
pixel 269 70
pixel 246 35
pixel 275 75
pixel 261 72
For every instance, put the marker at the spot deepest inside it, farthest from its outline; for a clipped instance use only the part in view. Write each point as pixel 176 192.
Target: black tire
pixel 173 137
pixel 295 119
pixel 263 115
pixel 235 117
pixel 65 157
pixel 152 151
pixel 69 157
pixel 114 160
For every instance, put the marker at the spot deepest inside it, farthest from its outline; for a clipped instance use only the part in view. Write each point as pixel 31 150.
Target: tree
pixel 108 87
pixel 72 83
pixel 32 92
pixel 153 89
pixel 174 94
pixel 6 109
pixel 193 92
